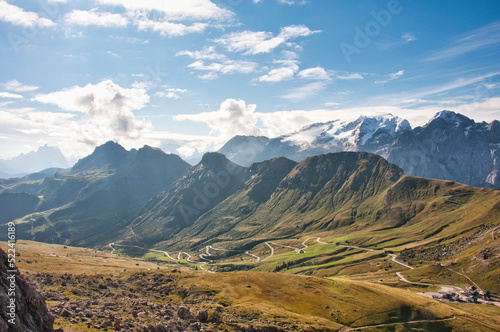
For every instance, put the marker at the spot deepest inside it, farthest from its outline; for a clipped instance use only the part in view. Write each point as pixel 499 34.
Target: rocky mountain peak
pixel 450 118
pixel 110 153
pixel 214 159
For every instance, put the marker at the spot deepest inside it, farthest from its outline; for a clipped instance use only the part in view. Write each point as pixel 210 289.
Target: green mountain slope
pixel 342 193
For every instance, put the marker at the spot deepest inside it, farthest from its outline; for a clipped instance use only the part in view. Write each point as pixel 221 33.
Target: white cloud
pixel 167 17
pixel 481 38
pixel 234 117
pixel 484 110
pixel 166 28
pixel 284 73
pixel 16 86
pixel 349 76
pixel 255 42
pixel 305 91
pixel 209 76
pixel 94 17
pixel 10 95
pixel 332 104
pixel 316 73
pixel 18 16
pixel 224 67
pixel 107 108
pixel 175 10
pixel 207 53
pixel 172 93
pixel 391 77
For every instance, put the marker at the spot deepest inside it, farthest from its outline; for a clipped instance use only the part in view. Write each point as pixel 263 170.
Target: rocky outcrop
pixel 30 313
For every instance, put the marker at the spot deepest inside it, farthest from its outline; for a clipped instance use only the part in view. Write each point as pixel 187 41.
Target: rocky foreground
pixel 140 301
pixel 21 307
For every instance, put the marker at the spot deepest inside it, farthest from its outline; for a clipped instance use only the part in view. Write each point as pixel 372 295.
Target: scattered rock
pixel 183 313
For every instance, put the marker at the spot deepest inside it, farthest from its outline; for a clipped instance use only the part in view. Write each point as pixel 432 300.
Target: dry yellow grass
pixel 54 258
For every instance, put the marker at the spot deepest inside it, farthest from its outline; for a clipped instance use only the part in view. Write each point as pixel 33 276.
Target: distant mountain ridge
pixel 35 161
pixel 450 146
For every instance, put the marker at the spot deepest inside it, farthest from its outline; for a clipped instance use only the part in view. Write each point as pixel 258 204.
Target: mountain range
pixel 449 146
pixel 45 157
pixel 157 200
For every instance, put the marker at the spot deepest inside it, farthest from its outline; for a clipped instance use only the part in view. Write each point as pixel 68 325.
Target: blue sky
pixel 188 75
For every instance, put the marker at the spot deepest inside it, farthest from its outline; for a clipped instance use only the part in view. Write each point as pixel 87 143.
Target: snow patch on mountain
pixel 349 136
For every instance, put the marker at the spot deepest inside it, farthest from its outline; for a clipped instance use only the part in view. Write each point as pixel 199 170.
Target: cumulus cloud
pixel 16 86
pixel 94 17
pixel 107 108
pixel 391 77
pixel 18 16
pixel 234 117
pixel 255 42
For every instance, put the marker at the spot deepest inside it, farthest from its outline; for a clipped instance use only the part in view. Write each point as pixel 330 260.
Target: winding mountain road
pixel 444 288
pixel 396 324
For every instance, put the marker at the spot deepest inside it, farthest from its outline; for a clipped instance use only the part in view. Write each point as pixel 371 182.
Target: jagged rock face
pixel 451 147
pixel 31 311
